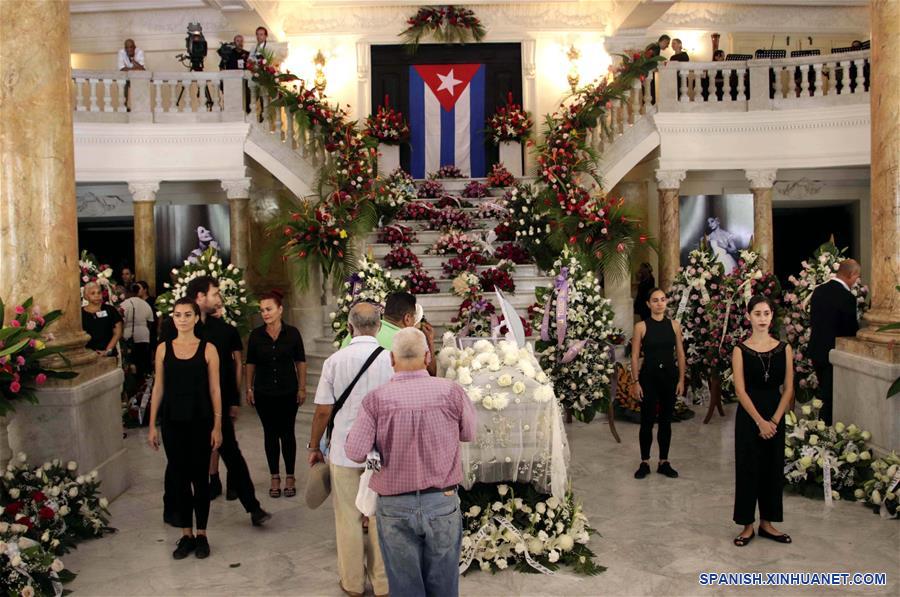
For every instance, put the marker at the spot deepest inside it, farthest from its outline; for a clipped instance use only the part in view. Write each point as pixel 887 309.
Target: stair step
pixel 423 224
pixel 434 267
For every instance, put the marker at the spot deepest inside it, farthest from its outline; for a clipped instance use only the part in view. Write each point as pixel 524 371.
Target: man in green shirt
pixel 399 313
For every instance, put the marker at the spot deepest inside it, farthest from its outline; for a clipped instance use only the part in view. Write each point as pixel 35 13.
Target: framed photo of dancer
pixel 725 221
pixel 181 229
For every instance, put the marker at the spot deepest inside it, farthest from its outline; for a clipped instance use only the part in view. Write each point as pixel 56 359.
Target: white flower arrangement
pixel 811 446
pixel 99 274
pixel 581 384
pixel 881 492
pixel 515 526
pixel 796 321
pixel 370 282
pixel 238 304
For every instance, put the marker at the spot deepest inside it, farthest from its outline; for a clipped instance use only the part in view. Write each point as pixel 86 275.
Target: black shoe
pixel 184 547
pixel 231 494
pixel 642 471
pixel 743 541
pixel 259 516
pixel 215 487
pixel 666 469
pixel 202 547
pixel 782 538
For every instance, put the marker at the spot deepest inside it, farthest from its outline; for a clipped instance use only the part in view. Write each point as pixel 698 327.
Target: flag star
pixel 448 82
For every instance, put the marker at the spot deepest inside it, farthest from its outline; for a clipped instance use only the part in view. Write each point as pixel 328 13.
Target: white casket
pixel 520 435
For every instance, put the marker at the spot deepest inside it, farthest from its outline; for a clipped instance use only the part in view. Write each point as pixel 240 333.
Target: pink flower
pixel 20 360
pixel 40 379
pixel 14 387
pixel 15 323
pixel 20 310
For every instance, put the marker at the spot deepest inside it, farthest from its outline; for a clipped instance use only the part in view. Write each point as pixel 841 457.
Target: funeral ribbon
pixel 696 284
pixel 745 287
pixel 561 281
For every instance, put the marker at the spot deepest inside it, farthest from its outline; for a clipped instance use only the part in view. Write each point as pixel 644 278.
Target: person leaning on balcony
pixel 679 54
pixel 660 45
pixel 131 57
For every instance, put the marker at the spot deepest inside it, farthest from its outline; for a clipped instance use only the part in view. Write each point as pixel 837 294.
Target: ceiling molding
pixel 95 6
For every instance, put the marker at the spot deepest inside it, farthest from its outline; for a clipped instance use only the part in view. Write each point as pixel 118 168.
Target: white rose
pixel 839 427
pixel 859 494
pixel 496 506
pixel 104 503
pixel 866 435
pixel 464 377
pixel 535 546
pixel 14 493
pixel 505 380
pixel 500 401
pixel 16 562
pixel 805 462
pixel 485 566
pixel 541 507
pixel 876 497
pixel 510 358
pixel 553 556
pixel 502 489
pixel 817 403
pixel 72 465
pixel 63 510
pixel 813 440
pixel 542 377
pixel 73 492
pixel 57 566
pixel 806 409
pixel 518 387
pixel 474 511
pixel 566 542
pixel 520 548
pixel 820 425
pixel 788 452
pixel 501 563
pixel 553 502
pixel 851 457
pixel 865 455
pixel 79 479
pixel 488 402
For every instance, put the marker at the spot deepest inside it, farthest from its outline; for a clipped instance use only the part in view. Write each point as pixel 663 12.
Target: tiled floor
pixel 657 534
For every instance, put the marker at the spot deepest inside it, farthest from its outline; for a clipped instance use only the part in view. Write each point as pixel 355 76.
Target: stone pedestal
pixel 761 182
pixel 144 196
pixel 511 157
pixel 388 158
pixel 82 423
pixel 862 376
pixel 669 184
pixel 80 418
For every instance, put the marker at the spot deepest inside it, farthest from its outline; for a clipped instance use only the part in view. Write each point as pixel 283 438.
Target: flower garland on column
pixel 817 271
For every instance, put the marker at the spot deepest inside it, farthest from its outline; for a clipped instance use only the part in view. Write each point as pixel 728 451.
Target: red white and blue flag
pixel 446 118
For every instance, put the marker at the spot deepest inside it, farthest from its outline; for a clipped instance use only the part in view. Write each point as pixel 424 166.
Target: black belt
pixel 429 490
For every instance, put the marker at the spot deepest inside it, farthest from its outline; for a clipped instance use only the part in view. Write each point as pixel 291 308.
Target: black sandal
pixel 290 491
pixel 782 538
pixel 743 541
pixel 273 491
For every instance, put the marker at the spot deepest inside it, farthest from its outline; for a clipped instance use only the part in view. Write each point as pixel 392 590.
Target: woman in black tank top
pixel 186 395
pixel 661 378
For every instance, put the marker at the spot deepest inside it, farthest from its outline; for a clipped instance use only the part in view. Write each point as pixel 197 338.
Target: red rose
pixel 38 496
pixel 24 520
pixel 46 513
pixel 13 508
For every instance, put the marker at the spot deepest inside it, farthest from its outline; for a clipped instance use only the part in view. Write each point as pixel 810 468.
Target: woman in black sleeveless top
pixel 661 378
pixel 764 382
pixel 186 397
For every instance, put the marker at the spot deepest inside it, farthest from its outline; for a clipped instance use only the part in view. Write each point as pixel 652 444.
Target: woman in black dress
pixel 764 382
pixel 276 386
pixel 187 392
pixel 660 380
pixel 102 322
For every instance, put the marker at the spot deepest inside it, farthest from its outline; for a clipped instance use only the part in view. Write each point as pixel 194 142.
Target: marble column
pixel 238 193
pixel 761 182
pixel 144 196
pixel 78 419
pixel 668 185
pixel 865 366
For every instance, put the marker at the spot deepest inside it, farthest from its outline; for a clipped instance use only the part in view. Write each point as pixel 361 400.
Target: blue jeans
pixel 420 538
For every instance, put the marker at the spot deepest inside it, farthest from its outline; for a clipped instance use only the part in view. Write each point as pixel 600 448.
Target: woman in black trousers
pixel 276 386
pixel 764 381
pixel 186 391
pixel 659 380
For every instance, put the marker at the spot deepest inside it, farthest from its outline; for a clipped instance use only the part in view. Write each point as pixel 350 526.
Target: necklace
pixel 766 366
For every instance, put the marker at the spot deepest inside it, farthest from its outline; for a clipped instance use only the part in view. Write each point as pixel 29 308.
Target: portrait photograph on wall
pixel 726 221
pixel 182 229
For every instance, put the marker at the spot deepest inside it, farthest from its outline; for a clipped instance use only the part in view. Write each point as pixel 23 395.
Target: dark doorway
pixel 390 76
pixel 110 240
pixel 799 231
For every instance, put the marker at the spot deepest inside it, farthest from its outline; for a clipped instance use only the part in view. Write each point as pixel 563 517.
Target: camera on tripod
pixel 231 57
pixel 196 47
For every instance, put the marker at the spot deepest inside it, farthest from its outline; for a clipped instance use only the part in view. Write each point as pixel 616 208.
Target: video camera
pixel 231 58
pixel 196 47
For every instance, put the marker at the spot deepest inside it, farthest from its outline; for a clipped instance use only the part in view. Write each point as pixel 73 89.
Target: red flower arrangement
pixel 465 262
pixel 512 252
pixel 496 277
pixel 419 281
pixel 396 234
pixel 454 242
pixel 401 258
pixel 416 210
pixel 475 190
pixel 449 219
pixel 452 201
pixel 500 177
pixel 430 189
pixel 448 24
pixel 447 171
pixel 387 125
pixel 509 123
pixel 505 232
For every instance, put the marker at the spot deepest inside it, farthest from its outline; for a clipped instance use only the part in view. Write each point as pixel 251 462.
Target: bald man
pixel 832 314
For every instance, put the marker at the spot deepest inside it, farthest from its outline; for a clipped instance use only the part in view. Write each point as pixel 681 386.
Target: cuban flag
pixel 446 118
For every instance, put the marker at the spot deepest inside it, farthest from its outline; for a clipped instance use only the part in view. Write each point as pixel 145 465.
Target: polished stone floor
pixel 657 534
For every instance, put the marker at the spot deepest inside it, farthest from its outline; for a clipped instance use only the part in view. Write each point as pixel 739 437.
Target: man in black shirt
pixel 656 49
pixel 205 292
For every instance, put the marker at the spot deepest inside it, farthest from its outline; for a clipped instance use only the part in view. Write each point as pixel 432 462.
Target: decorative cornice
pixel 670 179
pixel 238 188
pixel 761 179
pixel 729 16
pixel 143 192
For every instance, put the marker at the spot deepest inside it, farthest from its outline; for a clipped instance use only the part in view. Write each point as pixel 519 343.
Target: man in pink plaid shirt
pixel 416 422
